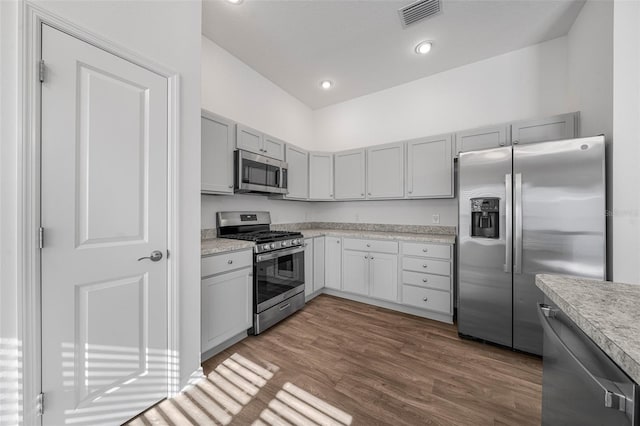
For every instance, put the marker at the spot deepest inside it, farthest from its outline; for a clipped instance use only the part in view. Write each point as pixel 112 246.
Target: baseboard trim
pixel 222 346
pixel 436 316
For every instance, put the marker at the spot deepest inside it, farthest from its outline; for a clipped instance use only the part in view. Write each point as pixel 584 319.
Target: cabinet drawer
pixel 224 262
pixel 390 247
pixel 430 266
pixel 439 282
pixel 425 298
pixel 427 250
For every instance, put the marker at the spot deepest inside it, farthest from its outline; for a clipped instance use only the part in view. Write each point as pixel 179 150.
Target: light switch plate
pixel 436 218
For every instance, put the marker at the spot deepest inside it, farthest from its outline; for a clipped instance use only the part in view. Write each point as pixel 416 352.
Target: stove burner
pixel 264 236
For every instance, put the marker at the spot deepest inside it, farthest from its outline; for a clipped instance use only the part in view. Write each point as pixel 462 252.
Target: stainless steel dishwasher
pixel 581 385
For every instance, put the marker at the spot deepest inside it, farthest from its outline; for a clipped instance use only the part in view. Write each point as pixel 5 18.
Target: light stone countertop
pixel 223 245
pixel 378 235
pixel 607 312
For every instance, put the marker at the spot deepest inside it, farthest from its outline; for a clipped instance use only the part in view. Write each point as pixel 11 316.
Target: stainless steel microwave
pixel 257 173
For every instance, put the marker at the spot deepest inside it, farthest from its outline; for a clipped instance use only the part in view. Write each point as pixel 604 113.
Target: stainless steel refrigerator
pixel 525 210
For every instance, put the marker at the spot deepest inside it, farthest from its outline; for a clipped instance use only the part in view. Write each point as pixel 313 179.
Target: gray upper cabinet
pixel 257 142
pixel 273 147
pixel 218 136
pixel 298 172
pixel 564 126
pixel 430 167
pixel 483 138
pixel 385 171
pixel 320 176
pixel 350 175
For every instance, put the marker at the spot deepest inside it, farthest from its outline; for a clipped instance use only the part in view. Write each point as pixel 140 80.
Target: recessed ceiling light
pixel 326 84
pixel 423 48
pixel 235 1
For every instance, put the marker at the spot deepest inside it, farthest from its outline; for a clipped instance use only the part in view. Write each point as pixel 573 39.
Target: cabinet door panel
pixel 383 276
pixel 430 168
pixel 385 171
pixel 333 263
pixel 545 129
pixel 350 175
pixel 298 173
pixel 320 176
pixel 355 272
pixel 483 138
pixel 273 147
pixel 218 135
pixel 318 263
pixel 249 139
pixel 227 301
pixel 308 266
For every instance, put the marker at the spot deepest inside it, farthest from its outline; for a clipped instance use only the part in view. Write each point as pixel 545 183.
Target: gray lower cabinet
pixel 385 171
pixel 370 273
pixel 308 267
pixel 226 298
pixel 320 176
pixel 564 126
pixel 483 138
pixel 218 140
pixel 333 263
pixel 318 263
pixel 430 167
pixel 350 175
pixel 298 173
pixel 427 277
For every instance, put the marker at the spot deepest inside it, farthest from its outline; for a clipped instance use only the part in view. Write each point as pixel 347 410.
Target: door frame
pixel 29 190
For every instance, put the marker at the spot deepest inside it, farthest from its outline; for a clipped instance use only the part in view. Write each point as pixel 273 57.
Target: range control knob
pixel 296 241
pixel 272 246
pixel 285 243
pixel 265 247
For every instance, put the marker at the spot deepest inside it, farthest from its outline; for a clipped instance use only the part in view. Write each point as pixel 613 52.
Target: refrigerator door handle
pixel 508 244
pixel 517 205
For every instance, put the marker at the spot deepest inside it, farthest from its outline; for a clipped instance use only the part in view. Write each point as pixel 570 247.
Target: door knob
pixel 156 255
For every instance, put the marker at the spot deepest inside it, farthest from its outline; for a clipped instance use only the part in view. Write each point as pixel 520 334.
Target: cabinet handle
pixel 369 193
pixel 424 280
pixel 371 257
pixel 338 241
pixel 330 195
pixel 366 257
pixel 230 186
pixel 426 299
pixel 368 245
pixel 229 261
pixel 424 265
pixel 362 194
pixel 516 142
pixel 425 250
pixel 410 192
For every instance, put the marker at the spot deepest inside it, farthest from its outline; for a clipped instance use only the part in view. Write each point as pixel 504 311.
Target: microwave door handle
pixel 278 179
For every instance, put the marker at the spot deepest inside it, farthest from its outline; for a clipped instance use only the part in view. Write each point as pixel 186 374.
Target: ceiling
pixel 361 45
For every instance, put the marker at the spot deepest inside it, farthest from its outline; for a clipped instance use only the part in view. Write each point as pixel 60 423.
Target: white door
pixel 430 167
pixel 218 139
pixel 320 176
pixel 383 276
pixel 104 205
pixel 298 173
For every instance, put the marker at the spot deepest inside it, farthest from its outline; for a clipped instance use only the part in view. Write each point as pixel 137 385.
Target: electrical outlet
pixel 436 218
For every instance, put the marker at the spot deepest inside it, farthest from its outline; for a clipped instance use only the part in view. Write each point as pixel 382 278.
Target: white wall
pixel 167 33
pixel 397 212
pixel 626 145
pixel 590 84
pixel 523 84
pixel 234 90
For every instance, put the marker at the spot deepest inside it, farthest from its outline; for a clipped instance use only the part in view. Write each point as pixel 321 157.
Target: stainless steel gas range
pixel 278 265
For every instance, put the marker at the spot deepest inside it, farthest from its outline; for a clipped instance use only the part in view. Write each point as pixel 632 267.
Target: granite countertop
pixel 381 235
pixel 223 245
pixel 415 233
pixel 607 312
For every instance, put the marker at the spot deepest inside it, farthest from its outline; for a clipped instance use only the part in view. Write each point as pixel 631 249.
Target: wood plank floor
pixel 378 366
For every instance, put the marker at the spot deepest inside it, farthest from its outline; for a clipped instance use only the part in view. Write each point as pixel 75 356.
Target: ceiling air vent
pixel 419 10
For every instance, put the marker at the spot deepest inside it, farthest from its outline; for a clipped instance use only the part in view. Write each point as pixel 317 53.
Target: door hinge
pixel 41 70
pixel 41 237
pixel 40 404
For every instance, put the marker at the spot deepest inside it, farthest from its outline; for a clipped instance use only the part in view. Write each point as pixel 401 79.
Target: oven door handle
pixel 275 254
